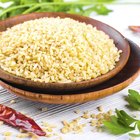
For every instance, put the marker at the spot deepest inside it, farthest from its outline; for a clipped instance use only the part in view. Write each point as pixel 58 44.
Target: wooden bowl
pixel 117 83
pixel 120 42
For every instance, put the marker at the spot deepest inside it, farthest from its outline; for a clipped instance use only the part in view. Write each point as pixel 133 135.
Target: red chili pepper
pixel 135 28
pixel 17 119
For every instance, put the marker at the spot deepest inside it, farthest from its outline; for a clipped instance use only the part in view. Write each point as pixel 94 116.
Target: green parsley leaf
pixel 133 99
pixel 120 123
pixel 124 118
pixel 101 9
pixel 138 125
pixel 115 127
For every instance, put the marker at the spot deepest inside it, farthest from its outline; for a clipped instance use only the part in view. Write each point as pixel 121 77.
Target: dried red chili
pixel 17 119
pixel 135 28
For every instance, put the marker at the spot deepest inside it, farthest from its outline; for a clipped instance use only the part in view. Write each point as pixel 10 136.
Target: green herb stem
pixel 14 8
pixel 34 6
pixel 55 3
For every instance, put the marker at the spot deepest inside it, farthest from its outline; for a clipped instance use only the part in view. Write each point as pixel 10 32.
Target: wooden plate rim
pixel 65 99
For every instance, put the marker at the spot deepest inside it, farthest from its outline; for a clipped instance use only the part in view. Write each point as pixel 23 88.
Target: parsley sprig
pixel 80 7
pixel 121 123
pixel 133 99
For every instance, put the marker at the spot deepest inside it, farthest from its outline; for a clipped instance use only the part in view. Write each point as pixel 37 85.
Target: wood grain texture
pixel 117 83
pixel 119 40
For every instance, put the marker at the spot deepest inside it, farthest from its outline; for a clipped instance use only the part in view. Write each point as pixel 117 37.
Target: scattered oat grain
pixel 64 130
pixel 23 135
pixel 7 133
pixel 43 109
pixel 92 115
pixel 77 111
pixel 100 108
pixel 93 122
pixel 12 102
pixel 110 112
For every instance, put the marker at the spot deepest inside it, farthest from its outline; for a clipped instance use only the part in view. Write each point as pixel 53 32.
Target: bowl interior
pixel 120 42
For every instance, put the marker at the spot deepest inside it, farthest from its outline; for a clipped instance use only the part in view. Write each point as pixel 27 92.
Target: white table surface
pixel 120 18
